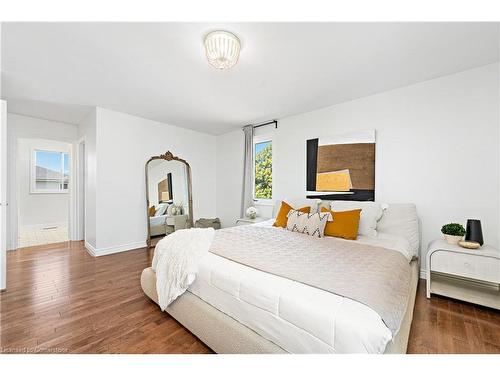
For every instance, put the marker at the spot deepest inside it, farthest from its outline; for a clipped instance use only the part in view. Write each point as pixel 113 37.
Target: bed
pixel 158 225
pixel 234 308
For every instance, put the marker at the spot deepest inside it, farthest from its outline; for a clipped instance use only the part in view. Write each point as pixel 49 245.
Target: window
pixel 50 172
pixel 263 169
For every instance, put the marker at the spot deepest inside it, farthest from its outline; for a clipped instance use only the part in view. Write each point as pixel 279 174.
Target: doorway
pixel 43 170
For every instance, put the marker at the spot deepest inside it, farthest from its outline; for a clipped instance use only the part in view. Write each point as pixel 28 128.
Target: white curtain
pixel 247 197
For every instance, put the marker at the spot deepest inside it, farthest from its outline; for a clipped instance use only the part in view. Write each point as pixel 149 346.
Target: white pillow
pixel 401 219
pixel 169 210
pixel 371 212
pixel 310 224
pixel 162 207
pixel 298 203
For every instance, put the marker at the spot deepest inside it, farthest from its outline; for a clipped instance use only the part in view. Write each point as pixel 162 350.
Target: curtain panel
pixel 247 193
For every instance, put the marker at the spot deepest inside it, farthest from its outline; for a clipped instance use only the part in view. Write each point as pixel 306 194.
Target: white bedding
pixel 389 241
pixel 176 261
pixel 297 317
pixel 155 221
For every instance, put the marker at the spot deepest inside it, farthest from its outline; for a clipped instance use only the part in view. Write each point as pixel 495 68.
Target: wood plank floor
pixel 444 325
pixel 62 300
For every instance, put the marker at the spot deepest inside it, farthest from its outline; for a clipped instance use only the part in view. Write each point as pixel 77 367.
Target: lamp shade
pixel 474 231
pixel 222 49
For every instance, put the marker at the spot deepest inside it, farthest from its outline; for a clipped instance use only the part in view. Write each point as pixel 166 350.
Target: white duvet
pixel 155 221
pixel 297 317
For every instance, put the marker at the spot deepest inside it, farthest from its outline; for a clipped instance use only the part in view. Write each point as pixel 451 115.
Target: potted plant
pixel 453 232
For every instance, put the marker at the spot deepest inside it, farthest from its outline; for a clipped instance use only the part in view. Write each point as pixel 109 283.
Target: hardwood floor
pixel 62 300
pixel 445 325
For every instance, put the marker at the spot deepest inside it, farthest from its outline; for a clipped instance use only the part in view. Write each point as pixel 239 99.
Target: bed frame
pixel 224 334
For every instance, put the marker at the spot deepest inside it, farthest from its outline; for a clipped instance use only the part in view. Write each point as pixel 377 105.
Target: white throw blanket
pixel 176 261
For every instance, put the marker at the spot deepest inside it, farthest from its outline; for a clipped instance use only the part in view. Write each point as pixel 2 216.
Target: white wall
pixel 124 145
pixel 437 146
pixel 3 182
pixel 3 194
pixel 38 209
pixel 1 26
pixel 230 160
pixel 33 128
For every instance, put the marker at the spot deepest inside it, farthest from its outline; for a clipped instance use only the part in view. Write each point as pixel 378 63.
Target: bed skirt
pixel 225 335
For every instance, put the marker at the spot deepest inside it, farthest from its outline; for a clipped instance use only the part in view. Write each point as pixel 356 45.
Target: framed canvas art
pixel 342 167
pixel 165 189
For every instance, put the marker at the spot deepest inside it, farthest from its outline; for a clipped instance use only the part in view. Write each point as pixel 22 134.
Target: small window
pixel 263 170
pixel 50 172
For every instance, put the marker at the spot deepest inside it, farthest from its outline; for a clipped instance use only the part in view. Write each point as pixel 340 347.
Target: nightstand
pixel 176 222
pixel 248 221
pixel 467 275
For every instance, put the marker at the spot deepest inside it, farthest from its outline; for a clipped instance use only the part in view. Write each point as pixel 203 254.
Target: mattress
pixel 224 334
pixel 297 317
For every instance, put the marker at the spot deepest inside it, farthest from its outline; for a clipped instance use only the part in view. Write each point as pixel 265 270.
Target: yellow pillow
pixel 345 224
pixel 282 218
pixel 152 211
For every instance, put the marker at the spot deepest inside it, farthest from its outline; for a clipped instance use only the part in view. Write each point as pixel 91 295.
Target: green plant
pixel 453 229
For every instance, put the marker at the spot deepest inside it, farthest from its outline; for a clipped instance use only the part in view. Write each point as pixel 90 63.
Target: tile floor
pixel 34 237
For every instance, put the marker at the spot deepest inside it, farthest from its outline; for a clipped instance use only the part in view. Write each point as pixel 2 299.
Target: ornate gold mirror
pixel 168 196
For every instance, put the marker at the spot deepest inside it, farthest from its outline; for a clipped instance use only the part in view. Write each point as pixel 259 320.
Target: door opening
pixel 43 171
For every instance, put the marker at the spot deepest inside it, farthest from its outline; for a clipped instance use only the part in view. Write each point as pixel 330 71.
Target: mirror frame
pixel 168 156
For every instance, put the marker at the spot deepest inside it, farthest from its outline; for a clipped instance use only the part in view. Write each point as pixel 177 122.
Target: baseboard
pixel 96 252
pixel 423 273
pixel 90 249
pixel 34 227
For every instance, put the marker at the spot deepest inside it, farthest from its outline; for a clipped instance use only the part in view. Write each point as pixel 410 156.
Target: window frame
pixel 261 139
pixel 33 188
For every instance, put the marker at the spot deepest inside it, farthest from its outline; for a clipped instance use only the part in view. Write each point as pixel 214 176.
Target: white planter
pixel 452 240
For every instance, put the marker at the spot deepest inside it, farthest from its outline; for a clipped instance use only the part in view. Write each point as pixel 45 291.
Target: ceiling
pixel 158 71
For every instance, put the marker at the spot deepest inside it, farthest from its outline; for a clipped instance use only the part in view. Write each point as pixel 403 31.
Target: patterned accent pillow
pixel 307 223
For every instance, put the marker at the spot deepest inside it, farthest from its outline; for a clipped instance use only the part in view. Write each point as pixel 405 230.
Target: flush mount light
pixel 222 49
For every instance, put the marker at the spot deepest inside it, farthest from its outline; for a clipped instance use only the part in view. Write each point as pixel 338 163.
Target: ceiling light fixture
pixel 222 49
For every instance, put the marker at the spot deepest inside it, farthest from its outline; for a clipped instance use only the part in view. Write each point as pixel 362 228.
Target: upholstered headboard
pixel 297 202
pixel 398 219
pixel 402 219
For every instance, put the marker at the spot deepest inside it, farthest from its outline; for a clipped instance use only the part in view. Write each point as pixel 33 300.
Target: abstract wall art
pixel 342 167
